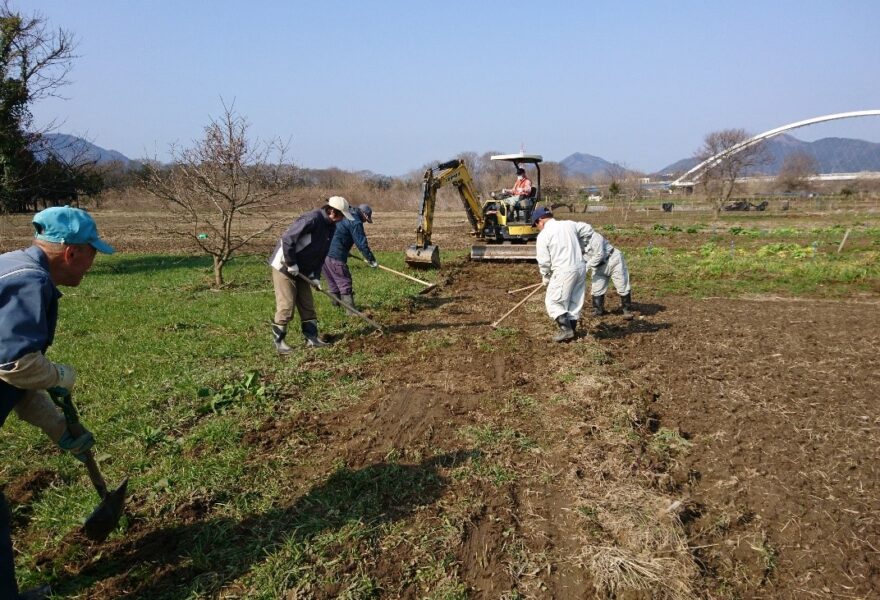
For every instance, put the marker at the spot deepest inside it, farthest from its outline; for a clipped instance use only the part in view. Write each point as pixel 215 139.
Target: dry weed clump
pixel 637 542
pixel 616 571
pixel 645 546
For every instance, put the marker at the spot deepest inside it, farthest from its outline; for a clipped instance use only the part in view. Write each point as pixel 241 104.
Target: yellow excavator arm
pixel 452 172
pixel 455 173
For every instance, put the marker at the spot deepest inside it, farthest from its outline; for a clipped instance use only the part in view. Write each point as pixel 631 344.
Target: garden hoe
pixel 106 515
pixel 538 287
pixel 345 305
pixel 430 286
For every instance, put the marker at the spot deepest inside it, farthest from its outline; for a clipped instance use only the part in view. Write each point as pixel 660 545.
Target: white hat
pixel 340 204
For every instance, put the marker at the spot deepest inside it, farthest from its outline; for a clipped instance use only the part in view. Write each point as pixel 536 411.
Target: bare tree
pixel 797 168
pixel 221 179
pixel 616 175
pixel 734 156
pixel 34 63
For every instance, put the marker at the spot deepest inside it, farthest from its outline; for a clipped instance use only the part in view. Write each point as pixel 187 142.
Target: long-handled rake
pixel 537 289
pixel 430 286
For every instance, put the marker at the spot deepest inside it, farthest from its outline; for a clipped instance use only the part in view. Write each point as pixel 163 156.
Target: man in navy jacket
pixel 301 252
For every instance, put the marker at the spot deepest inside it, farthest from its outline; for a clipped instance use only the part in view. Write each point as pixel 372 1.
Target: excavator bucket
pixel 503 252
pixel 423 257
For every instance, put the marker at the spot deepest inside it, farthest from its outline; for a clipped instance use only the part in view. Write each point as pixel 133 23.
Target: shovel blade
pixel 105 517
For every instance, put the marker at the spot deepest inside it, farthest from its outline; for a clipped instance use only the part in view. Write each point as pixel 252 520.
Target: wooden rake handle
pixel 537 289
pixel 522 289
pixel 343 303
pixel 390 270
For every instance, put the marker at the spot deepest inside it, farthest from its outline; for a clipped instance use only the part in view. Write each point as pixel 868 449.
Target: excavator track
pixel 503 252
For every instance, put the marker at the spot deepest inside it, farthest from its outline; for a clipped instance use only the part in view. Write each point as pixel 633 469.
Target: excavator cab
pixel 520 161
pixel 508 218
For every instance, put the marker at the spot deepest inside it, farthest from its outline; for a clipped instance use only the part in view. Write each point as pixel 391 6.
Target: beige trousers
pixel 290 293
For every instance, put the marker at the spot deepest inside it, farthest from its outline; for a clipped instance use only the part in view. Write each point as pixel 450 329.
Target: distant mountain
pixel 587 164
pixel 678 167
pixel 73 149
pixel 832 155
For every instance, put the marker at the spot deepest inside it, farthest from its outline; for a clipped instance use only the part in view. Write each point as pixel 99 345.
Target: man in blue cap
pixel 65 244
pixel 559 250
pixel 348 234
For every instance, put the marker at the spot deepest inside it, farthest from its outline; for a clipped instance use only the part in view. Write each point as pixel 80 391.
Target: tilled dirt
pixel 780 399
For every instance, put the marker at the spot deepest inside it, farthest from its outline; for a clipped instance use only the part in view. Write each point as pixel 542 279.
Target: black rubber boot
pixel 37 593
pixel 565 331
pixel 348 299
pixel 279 332
pixel 626 306
pixel 598 306
pixel 574 326
pixel 310 331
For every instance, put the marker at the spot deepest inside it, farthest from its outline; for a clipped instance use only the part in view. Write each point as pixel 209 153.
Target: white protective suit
pixel 560 260
pixel 607 262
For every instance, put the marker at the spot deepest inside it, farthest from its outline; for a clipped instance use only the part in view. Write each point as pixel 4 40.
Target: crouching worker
pixel 64 248
pixel 607 262
pixel 296 267
pixel 348 233
pixel 563 272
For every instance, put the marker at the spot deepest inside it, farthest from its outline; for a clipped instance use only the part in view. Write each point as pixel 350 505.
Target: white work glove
pixel 316 283
pixel 66 379
pixel 77 445
pixel 545 280
pixel 292 270
pixel 373 264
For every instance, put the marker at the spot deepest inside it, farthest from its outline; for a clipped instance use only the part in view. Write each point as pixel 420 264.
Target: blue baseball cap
pixel 539 213
pixel 67 225
pixel 367 212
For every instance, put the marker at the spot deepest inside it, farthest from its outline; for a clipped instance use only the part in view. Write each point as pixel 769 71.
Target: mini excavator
pixel 503 232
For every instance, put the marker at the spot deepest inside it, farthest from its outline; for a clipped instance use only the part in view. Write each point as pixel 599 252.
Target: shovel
pixel 106 515
pixel 430 286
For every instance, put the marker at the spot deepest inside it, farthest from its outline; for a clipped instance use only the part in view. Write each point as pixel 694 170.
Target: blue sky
pixel 392 85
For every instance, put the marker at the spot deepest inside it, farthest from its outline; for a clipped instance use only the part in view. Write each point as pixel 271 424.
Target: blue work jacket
pixel 349 233
pixel 28 313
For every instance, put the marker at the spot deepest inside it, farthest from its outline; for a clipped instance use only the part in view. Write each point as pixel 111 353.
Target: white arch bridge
pixel 684 180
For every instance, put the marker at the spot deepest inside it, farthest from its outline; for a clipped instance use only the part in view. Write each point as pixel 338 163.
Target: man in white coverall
pixel 563 271
pixel 607 262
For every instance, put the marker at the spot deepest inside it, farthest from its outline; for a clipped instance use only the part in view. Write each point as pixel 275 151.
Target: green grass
pixel 172 376
pixel 731 268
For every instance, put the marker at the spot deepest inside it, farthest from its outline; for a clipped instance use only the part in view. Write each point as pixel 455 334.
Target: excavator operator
pixel 519 198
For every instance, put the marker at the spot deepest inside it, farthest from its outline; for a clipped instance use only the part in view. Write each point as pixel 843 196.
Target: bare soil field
pixel 735 439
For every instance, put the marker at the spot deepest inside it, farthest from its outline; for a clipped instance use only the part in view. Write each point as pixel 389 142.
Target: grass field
pixel 441 460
